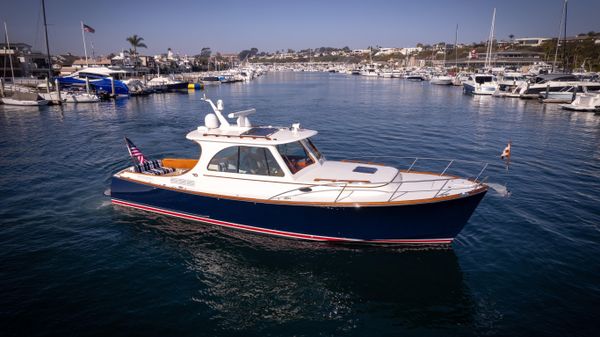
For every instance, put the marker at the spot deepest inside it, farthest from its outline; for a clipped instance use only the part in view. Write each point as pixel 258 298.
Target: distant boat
pixel 584 102
pixel 101 79
pixel 162 83
pixel 80 97
pixel 480 84
pixel 510 80
pixel 210 80
pixel 23 98
pixel 441 80
pixel 415 77
pixel 554 83
pixel 23 102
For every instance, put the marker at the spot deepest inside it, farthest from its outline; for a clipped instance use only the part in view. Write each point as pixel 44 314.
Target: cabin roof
pixel 261 135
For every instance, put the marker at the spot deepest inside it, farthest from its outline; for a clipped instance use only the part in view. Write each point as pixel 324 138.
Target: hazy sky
pixel 230 26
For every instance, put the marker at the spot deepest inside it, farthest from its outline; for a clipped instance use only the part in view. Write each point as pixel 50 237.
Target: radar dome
pixel 211 121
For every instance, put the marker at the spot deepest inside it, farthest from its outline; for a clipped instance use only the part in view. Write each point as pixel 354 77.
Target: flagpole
pixel 84 47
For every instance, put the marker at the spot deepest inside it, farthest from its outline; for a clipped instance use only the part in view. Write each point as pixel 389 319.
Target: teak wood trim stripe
pixel 483 188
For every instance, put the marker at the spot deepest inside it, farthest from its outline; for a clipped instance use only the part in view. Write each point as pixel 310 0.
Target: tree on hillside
pixel 205 52
pixel 248 53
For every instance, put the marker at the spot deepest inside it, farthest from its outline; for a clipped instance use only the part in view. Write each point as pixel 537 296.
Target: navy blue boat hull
pixel 429 223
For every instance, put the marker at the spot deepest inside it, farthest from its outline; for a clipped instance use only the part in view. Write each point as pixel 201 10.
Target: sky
pixel 229 26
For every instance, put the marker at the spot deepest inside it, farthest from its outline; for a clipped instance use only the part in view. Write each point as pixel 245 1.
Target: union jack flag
pixel 88 29
pixel 134 152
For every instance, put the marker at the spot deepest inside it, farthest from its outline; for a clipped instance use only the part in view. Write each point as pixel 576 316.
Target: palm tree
pixel 136 42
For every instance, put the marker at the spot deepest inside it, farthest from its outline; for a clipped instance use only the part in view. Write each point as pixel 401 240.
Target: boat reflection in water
pixel 271 284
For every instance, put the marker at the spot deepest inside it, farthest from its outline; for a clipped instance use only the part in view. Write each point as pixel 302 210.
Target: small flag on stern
pixel 88 29
pixel 506 154
pixel 134 152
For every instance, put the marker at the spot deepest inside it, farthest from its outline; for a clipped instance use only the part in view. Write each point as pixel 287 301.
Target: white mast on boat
pixel 12 71
pixel 84 47
pixel 488 56
pixel 456 48
pixel 47 44
pixel 560 28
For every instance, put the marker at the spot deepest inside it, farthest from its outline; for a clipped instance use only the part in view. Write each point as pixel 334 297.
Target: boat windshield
pixel 295 156
pixel 309 144
pixel 483 79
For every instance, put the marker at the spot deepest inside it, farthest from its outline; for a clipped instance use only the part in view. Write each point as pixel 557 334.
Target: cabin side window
pixel 295 156
pixel 225 161
pixel 245 160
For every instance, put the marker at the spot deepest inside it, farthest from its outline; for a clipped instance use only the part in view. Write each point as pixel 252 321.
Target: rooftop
pixel 263 135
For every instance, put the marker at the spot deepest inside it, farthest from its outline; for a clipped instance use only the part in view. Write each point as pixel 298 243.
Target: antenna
pixel 242 117
pixel 217 110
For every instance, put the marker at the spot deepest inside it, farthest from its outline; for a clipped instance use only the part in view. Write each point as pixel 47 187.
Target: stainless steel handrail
pixel 374 186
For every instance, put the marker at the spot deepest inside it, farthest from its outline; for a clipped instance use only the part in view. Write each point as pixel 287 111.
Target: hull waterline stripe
pixel 275 232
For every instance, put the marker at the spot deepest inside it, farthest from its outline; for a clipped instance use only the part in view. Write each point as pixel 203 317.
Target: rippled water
pixel 72 264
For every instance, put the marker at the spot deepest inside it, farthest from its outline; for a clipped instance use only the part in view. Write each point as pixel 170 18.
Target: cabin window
pixel 225 161
pixel 483 79
pixel 295 156
pixel 246 160
pixel 314 149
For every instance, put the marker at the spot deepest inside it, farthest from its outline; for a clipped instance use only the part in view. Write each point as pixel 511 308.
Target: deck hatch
pixel 365 169
pixel 260 132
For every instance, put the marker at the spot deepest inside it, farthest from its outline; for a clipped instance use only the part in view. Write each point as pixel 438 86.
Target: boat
pixel 100 79
pixel 137 87
pixel 210 80
pixel 415 77
pixel 510 80
pixel 480 84
pixel 441 80
pixel 23 98
pixel 370 70
pixel 554 83
pixel 16 100
pixel 274 181
pixel 163 83
pixel 584 102
pixel 80 97
pixel 460 78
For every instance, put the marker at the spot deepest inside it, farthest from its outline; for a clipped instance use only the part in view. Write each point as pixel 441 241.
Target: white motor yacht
pixel 480 84
pixel 554 83
pixel 441 80
pixel 274 181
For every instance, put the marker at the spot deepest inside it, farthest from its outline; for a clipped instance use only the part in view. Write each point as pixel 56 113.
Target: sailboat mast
pixel 565 40
pixel 47 44
pixel 12 70
pixel 562 19
pixel 456 47
pixel 488 56
pixel 84 47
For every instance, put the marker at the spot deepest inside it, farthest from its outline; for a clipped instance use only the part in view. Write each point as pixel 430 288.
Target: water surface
pixel 72 264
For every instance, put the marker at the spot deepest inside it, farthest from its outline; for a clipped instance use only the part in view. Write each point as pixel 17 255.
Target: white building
pixel 531 41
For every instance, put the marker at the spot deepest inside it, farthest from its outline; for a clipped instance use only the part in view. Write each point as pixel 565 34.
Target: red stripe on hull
pixel 276 232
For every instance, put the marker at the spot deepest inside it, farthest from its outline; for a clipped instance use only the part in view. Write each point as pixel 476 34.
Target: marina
pixel 65 216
